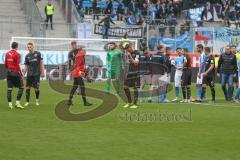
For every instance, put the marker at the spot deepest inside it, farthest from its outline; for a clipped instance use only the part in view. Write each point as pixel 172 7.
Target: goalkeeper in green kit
pixel 114 66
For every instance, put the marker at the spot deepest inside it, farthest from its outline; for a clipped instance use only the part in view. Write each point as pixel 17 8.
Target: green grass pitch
pixel 36 133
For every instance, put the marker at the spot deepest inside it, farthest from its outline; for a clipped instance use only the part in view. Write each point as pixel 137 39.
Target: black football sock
pixel 74 88
pixel 37 93
pixel 213 93
pixel 184 92
pixel 9 95
pixel 203 93
pixel 27 95
pixel 135 96
pixel 188 92
pixel 128 94
pixel 20 93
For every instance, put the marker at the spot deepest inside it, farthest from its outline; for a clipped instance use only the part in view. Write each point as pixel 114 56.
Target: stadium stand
pixel 12 23
pixel 61 27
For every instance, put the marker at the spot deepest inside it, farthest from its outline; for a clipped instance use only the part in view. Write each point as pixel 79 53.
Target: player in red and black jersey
pixel 186 77
pixel 14 75
pixel 209 74
pixel 78 70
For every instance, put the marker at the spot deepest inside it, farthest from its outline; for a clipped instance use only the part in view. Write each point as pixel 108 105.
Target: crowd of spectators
pixel 231 12
pixel 133 12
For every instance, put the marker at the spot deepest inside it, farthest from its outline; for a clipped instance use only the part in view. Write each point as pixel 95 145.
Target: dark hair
pixel 73 42
pixel 200 46
pixel 207 49
pixel 185 49
pixel 233 46
pixel 160 47
pixel 14 45
pixel 30 44
pixel 168 48
pixel 178 48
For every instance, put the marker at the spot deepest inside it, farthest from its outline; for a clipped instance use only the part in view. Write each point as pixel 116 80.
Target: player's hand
pixel 205 74
pixel 218 74
pixel 68 71
pixel 82 74
pixel 42 75
pixel 199 75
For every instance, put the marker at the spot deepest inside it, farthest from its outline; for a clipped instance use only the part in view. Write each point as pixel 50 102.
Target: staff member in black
pixel 227 66
pixel 145 72
pixel 186 77
pixel 34 68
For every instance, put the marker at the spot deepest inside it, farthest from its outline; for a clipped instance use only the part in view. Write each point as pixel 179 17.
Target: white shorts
pixel 164 80
pixel 199 80
pixel 178 78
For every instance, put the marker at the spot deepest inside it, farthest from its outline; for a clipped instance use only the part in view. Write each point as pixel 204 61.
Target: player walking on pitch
pixel 34 68
pixel 14 75
pixel 78 59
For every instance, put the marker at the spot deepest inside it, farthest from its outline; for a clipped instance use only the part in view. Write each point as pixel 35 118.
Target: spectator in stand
pixel 114 15
pixel 131 20
pixel 106 25
pixel 120 12
pixel 109 7
pixel 172 24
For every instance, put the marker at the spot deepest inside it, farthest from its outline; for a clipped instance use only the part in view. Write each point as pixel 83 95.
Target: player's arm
pixel 6 62
pixel 26 63
pixel 42 69
pixel 134 61
pixel 220 61
pixel 211 67
pixel 235 64
pixel 69 63
pixel 111 20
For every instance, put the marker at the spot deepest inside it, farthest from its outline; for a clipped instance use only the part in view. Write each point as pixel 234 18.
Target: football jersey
pixel 209 61
pixel 114 59
pixel 202 63
pixel 179 62
pixel 79 64
pixel 33 61
pixel 12 61
pixel 134 69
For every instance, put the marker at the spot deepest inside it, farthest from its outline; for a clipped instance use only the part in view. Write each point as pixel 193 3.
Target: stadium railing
pixel 34 16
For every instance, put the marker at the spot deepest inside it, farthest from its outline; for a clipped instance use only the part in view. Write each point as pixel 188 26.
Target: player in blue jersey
pixel 178 63
pixel 202 65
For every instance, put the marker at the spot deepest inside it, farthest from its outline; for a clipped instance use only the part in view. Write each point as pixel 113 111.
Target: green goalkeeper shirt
pixel 114 59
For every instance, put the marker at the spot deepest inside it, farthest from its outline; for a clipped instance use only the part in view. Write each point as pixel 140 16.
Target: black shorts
pixel 132 81
pixel 186 77
pixel 209 80
pixel 78 81
pixel 33 81
pixel 14 79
